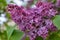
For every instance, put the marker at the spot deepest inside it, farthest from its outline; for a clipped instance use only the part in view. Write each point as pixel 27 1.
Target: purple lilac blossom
pixel 49 25
pixel 34 21
pixel 43 32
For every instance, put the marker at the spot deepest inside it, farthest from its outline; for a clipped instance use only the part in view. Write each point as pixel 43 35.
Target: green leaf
pixel 39 38
pixel 9 31
pixel 8 16
pixel 54 36
pixel 3 35
pixel 54 1
pixel 17 35
pixel 0 38
pixel 56 21
pixel 3 2
pixel 27 38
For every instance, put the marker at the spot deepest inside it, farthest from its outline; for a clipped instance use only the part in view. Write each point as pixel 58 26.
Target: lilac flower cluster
pixel 34 21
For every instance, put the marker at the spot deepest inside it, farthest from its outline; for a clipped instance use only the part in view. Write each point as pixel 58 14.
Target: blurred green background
pixel 7 30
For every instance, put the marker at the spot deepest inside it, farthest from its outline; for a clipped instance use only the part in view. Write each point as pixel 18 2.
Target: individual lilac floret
pixel 32 35
pixel 49 25
pixel 43 32
pixel 34 21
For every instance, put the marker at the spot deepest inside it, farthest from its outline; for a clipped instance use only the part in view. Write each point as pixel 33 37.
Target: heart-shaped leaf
pixel 56 21
pixel 9 31
pixel 17 35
